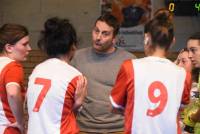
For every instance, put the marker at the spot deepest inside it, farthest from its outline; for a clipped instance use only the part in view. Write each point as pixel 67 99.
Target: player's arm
pixel 16 103
pixel 80 93
pixel 14 79
pixel 118 96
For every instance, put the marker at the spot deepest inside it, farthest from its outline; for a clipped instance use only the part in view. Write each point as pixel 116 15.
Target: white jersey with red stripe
pixel 151 90
pixel 11 72
pixel 50 98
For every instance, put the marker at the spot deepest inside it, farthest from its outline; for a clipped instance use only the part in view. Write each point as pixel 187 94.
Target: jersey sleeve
pixel 14 74
pixel 72 87
pixel 187 88
pixel 122 85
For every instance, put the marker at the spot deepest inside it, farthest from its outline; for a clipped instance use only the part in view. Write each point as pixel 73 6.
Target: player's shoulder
pixel 128 61
pixel 56 67
pixel 9 62
pixel 74 70
pixel 139 60
pixel 178 68
pixel 11 67
pixel 15 65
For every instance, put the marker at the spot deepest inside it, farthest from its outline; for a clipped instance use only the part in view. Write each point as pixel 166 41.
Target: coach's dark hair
pixel 161 29
pixel 58 37
pixel 11 33
pixel 111 20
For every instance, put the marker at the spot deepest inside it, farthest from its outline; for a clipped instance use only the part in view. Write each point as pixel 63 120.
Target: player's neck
pixel 64 58
pixel 159 53
pixel 9 55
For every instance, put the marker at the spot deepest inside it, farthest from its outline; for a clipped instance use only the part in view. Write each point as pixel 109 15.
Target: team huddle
pixel 99 89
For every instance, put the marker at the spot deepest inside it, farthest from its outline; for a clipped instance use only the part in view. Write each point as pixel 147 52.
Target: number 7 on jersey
pixel 46 86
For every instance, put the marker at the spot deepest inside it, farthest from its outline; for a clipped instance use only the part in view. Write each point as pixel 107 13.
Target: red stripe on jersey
pixel 187 88
pixel 12 130
pixel 68 119
pixel 14 75
pixel 123 92
pixel 130 97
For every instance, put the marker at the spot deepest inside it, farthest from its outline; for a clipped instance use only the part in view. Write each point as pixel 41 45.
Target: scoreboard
pixel 184 7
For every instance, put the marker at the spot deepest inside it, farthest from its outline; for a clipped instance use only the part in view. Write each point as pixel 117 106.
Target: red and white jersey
pixel 11 72
pixel 50 98
pixel 151 90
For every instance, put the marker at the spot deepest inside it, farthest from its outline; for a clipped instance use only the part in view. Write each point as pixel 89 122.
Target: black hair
pixel 111 20
pixel 11 33
pixel 58 37
pixel 195 36
pixel 161 29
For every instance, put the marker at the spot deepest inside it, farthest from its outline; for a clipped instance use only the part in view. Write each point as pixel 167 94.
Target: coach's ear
pixel 114 40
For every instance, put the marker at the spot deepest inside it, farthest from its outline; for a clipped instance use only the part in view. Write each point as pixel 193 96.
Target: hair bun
pixel 52 25
pixel 163 15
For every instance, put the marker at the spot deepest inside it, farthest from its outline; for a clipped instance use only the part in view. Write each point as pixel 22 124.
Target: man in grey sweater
pixel 100 64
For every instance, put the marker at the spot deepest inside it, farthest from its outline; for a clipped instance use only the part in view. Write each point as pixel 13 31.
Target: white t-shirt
pixel 151 90
pixel 50 98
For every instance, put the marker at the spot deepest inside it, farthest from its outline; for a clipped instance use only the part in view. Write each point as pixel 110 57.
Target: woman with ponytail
pixel 149 90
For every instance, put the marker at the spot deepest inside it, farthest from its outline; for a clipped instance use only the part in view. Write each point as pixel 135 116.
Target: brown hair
pixel 11 33
pixel 161 29
pixel 111 20
pixel 195 36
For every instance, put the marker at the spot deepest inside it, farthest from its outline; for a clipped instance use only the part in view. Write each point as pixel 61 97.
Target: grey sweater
pixel 101 71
